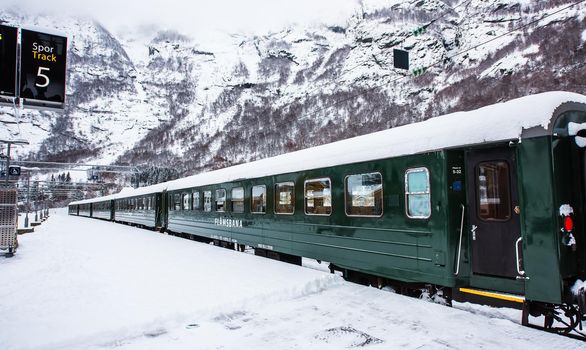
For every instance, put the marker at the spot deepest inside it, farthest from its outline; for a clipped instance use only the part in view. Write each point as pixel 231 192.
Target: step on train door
pixel 494 213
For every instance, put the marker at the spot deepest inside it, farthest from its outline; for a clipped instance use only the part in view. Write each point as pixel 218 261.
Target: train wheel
pixel 561 319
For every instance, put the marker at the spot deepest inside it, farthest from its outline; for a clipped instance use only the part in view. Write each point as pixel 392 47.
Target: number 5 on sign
pixel 41 75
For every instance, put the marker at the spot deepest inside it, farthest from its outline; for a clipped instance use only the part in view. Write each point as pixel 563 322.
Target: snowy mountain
pixel 164 99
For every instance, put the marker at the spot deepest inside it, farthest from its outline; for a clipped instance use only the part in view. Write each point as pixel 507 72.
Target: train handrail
pixel 460 241
pixel 519 271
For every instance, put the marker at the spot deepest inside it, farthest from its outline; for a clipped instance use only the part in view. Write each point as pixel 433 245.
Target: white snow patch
pixel 579 287
pixel 580 141
pixel 566 210
pixel 574 128
pixel 571 240
pixel 532 49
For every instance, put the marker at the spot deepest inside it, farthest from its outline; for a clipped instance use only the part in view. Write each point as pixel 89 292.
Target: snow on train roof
pixel 497 122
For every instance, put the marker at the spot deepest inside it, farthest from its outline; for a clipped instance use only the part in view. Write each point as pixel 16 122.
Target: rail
pixel 460 241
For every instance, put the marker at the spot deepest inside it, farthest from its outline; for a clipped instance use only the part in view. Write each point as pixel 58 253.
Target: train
pixel 485 205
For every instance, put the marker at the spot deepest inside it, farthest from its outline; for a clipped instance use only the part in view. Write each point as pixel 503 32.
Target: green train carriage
pixel 483 203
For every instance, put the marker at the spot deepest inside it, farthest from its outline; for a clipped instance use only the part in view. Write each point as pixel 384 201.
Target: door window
pixel 186 201
pixel 318 197
pixel 196 202
pixel 238 200
pixel 417 193
pixel 220 200
pixel 207 201
pixel 259 199
pixel 364 194
pixel 285 198
pixel 494 193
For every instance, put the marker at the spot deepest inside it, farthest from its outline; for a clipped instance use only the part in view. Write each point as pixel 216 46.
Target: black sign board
pixel 401 59
pixel 8 40
pixel 14 171
pixel 42 71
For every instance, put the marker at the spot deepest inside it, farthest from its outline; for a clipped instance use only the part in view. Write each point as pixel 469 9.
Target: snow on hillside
pixel 152 96
pixel 81 283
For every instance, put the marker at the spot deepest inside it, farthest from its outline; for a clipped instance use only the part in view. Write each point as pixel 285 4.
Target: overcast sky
pixel 191 17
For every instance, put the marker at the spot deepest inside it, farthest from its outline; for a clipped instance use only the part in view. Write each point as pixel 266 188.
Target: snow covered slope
pixel 164 98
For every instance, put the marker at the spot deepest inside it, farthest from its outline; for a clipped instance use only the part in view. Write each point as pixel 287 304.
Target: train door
pixel 161 210
pixel 494 213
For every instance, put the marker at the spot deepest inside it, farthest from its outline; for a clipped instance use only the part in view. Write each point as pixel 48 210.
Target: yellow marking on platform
pixel 506 297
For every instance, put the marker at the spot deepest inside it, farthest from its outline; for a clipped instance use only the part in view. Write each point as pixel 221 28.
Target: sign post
pixel 42 69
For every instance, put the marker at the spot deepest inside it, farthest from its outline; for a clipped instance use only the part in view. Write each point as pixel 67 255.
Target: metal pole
pixel 36 202
pixel 28 195
pixel 8 164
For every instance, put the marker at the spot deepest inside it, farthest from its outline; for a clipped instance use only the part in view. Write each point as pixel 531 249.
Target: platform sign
pixel 8 45
pixel 42 71
pixel 14 171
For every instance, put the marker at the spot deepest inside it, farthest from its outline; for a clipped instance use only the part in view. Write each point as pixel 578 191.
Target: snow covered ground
pixel 77 283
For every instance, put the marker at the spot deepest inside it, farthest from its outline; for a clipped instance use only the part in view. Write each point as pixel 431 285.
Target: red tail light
pixel 568 224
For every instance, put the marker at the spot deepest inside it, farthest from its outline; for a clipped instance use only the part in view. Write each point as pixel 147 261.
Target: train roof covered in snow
pixel 529 116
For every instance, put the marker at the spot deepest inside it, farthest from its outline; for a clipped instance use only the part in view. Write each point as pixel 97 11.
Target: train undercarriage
pixel 565 319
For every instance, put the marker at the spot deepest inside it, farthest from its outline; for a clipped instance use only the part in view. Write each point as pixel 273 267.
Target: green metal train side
pixel 393 245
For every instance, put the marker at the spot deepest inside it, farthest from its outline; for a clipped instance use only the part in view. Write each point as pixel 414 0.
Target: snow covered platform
pixel 83 283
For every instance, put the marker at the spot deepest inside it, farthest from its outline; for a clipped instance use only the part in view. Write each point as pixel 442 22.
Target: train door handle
pixel 473 231
pixel 517 256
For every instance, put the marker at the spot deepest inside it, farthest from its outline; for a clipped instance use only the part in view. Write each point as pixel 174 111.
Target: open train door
pixel 495 231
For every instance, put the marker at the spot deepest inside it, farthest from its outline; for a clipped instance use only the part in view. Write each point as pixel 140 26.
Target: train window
pixel 238 200
pixel 196 202
pixel 285 198
pixel 318 197
pixel 259 199
pixel 186 201
pixel 207 200
pixel 494 195
pixel 364 194
pixel 221 200
pixel 177 201
pixel 417 193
